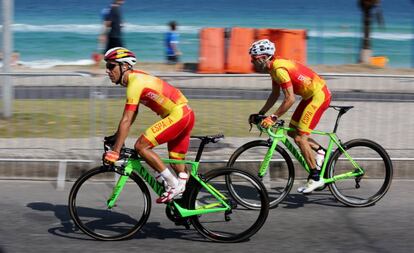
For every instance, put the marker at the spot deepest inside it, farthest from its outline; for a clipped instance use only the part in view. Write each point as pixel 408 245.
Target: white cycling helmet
pixel 261 47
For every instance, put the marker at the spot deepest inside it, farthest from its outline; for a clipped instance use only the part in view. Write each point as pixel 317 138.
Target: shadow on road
pixel 298 200
pixel 69 230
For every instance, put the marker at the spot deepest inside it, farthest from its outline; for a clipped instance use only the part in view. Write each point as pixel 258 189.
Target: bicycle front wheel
pixel 279 177
pixel 88 205
pixel 368 188
pixel 238 223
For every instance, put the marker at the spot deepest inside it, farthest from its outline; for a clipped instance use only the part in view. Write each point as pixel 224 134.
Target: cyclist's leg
pixel 164 131
pixel 305 119
pixel 144 148
pixel 161 132
pixel 301 135
pixel 301 139
pixel 325 97
pixel 308 114
pixel 151 138
pixel 178 147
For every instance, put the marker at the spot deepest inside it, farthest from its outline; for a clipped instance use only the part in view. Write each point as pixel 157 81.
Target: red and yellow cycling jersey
pixel 288 73
pixel 175 129
pixel 153 92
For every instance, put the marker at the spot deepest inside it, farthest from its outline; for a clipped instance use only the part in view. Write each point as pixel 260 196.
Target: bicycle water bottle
pixel 319 157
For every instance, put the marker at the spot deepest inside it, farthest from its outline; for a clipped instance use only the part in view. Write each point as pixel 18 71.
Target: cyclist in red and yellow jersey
pixel 167 101
pixel 293 79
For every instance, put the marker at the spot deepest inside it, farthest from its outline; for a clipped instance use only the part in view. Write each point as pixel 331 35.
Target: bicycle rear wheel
pixel 237 224
pixel 88 205
pixel 367 189
pixel 279 177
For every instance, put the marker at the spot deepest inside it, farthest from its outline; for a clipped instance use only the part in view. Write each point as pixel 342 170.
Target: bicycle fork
pixel 125 172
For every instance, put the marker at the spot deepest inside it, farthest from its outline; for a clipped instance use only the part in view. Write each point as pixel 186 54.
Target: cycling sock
pixel 158 177
pixel 169 177
pixel 314 174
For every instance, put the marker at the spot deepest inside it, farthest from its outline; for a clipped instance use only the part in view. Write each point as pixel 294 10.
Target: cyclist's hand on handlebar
pixel 269 121
pixel 111 156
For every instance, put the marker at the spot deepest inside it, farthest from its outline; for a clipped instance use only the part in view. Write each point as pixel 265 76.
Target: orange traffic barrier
pixel 290 44
pixel 293 45
pixel 379 61
pixel 238 58
pixel 211 57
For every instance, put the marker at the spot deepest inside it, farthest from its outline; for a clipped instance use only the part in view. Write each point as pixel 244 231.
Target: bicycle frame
pixel 134 164
pixel 279 135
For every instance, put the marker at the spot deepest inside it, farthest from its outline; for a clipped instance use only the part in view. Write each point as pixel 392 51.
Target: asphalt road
pixel 34 218
pixel 70 92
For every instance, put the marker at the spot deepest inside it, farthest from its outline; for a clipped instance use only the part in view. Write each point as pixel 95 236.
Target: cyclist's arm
pixel 281 76
pixel 287 102
pixel 271 100
pixel 125 123
pixel 133 94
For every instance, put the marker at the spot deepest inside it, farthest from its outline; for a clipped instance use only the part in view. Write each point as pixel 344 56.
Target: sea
pixel 61 32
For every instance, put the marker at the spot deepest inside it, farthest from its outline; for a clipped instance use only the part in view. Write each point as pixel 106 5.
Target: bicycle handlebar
pixel 257 120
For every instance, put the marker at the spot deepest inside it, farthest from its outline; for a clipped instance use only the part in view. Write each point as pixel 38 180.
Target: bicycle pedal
pixel 183 222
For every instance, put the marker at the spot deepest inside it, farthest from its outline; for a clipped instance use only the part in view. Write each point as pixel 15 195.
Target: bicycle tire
pixel 373 184
pixel 94 187
pixel 280 175
pixel 236 225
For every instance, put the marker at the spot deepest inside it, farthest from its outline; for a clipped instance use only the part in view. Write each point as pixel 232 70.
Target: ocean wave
pixel 97 28
pixel 374 35
pixel 45 64
pixel 133 28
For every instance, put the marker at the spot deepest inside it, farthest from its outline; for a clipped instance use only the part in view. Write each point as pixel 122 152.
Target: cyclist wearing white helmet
pixel 167 101
pixel 293 79
pixel 261 52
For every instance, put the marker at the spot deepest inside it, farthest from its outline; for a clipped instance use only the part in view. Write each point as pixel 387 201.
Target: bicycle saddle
pixel 341 108
pixel 209 138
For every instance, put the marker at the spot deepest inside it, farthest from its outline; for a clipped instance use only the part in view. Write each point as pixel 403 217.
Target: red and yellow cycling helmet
pixel 121 55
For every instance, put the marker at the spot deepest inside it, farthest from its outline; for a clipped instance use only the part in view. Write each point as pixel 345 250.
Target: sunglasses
pixel 254 58
pixel 110 66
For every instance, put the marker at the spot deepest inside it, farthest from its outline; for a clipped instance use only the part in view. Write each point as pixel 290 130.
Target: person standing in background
pixel 111 35
pixel 98 54
pixel 171 41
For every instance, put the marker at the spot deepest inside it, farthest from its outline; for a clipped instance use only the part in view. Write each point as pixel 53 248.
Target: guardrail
pixel 386 122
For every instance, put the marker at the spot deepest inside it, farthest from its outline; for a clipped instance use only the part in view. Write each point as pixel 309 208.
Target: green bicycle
pixel 112 202
pixel 358 173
